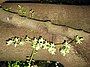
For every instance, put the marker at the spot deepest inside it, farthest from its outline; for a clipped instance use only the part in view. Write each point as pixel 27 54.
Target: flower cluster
pixel 36 43
pixel 42 43
pixel 16 41
pixel 78 39
pixel 65 49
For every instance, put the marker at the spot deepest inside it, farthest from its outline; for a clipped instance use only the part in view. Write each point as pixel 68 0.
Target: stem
pixel 32 55
pixel 61 44
pixel 71 41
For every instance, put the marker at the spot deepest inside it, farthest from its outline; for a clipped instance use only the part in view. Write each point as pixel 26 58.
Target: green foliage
pixel 13 64
pixel 37 63
pixel 17 64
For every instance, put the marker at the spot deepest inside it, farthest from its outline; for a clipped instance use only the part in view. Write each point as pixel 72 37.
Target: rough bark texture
pixel 73 16
pixel 13 25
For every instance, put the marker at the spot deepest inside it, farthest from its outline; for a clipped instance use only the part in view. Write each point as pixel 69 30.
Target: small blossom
pixel 56 63
pixel 78 39
pixel 27 38
pixel 41 40
pixel 57 66
pixel 52 50
pixel 65 49
pixel 17 40
pixel 67 45
pixel 63 52
pixel 10 42
pixel 48 61
pixel 22 43
pixel 37 47
pixel 46 45
pixel 15 45
pixel 34 42
pixel 52 45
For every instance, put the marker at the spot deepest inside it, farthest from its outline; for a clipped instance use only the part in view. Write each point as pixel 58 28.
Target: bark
pixel 77 17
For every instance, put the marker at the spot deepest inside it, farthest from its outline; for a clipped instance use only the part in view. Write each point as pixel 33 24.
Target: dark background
pixel 71 2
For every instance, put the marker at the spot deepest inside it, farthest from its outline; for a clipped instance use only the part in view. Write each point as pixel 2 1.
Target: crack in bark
pixel 46 21
pixel 72 28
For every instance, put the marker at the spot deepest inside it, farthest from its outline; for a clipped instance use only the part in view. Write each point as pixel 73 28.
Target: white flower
pixel 52 50
pixel 37 47
pixel 67 45
pixel 48 61
pixel 65 49
pixel 52 45
pixel 17 40
pixel 56 63
pixel 41 45
pixel 63 52
pixel 15 45
pixel 22 43
pixel 78 39
pixel 46 45
pixel 34 42
pixel 78 42
pixel 57 66
pixel 27 38
pixel 41 40
pixel 10 42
